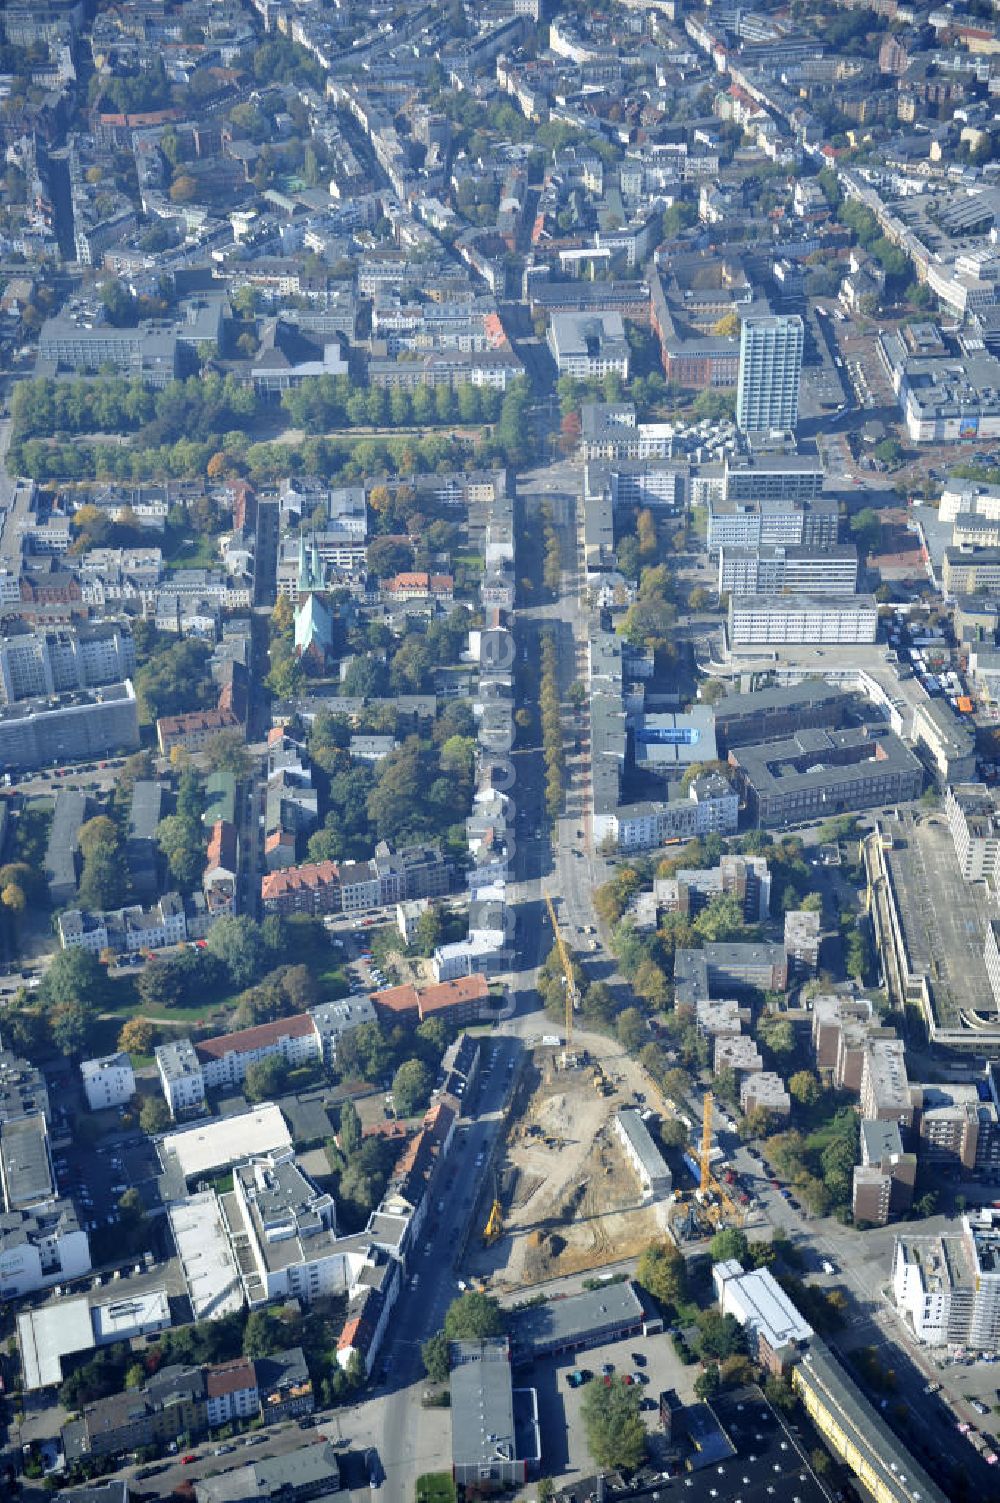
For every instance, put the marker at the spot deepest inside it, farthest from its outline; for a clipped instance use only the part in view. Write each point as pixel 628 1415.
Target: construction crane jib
pixel 567 969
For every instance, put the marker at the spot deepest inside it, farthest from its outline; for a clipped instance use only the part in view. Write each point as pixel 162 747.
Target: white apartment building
pixel 333 1019
pixel 774 620
pixel 772 519
pixel 289 1230
pixel 642 827
pixel 943 734
pixel 589 345
pixel 231 1392
pixel 126 929
pixel 187 1071
pixel 41 1247
pixel 108 1082
pixel 942 1286
pixel 69 657
pixel 973 812
pixel 777 568
pixel 981 1244
pixel 770 370
pixel 225 1059
pixel 648 1163
pixel 991 956
pixel 969 498
pixel 181 1078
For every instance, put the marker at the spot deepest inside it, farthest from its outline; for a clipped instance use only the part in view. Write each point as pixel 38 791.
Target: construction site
pixel 582 1178
pixel 569 1200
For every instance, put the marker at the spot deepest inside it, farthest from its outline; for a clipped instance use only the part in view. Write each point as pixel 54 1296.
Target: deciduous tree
pixel 473 1316
pixel 265 1078
pixel 616 1436
pixel 136 1036
pixel 662 1270
pixel 434 1354
pixel 411 1087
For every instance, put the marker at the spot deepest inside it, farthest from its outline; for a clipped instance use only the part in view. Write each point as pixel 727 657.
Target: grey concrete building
pixel 69 811
pixel 140 848
pixel 488 1445
pixel 777 568
pixel 36 732
pixel 772 714
pixel 651 1169
pixel 817 774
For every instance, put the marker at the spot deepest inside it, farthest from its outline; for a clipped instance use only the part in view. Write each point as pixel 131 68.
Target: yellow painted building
pixel 857 1433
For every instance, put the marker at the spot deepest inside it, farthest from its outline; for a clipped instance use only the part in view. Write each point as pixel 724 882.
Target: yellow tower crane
pixel 567 966
pixel 706 1143
pixel 709 1183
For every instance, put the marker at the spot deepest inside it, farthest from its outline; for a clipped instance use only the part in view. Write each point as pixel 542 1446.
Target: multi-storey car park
pixel 931 930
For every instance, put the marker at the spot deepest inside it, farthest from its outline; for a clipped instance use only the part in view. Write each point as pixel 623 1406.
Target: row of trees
pixel 820 1164
pixel 181 835
pixel 362 1165
pixel 104 878
pixel 650 619
pixel 231 450
pixel 369 1053
pixel 200 408
pixel 233 453
pixel 551 717
pixel 334 402
pixel 552 556
pixel 22 879
pixel 285 674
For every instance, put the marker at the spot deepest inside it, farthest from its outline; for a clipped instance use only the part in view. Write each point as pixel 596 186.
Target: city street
pixel 409 1437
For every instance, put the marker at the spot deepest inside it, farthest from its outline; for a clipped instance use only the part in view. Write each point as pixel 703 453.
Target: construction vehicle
pixel 493 1230
pixel 572 999
pixel 715 1198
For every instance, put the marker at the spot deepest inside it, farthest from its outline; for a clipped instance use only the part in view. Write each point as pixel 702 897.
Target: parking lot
pixel 98 1177
pixel 89 775
pixel 563 1435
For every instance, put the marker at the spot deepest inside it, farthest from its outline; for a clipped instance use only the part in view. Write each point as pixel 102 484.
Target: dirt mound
pixel 555 1115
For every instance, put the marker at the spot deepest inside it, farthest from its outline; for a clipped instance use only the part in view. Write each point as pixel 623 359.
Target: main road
pixel 409 1437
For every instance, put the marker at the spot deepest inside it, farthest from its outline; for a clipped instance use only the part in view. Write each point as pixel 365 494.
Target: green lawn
pixel 333 983
pixel 124 1002
pixel 184 550
pixel 130 1006
pixel 435 1487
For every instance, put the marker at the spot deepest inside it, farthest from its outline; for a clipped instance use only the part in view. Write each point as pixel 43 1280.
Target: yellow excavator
pixel 493 1230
